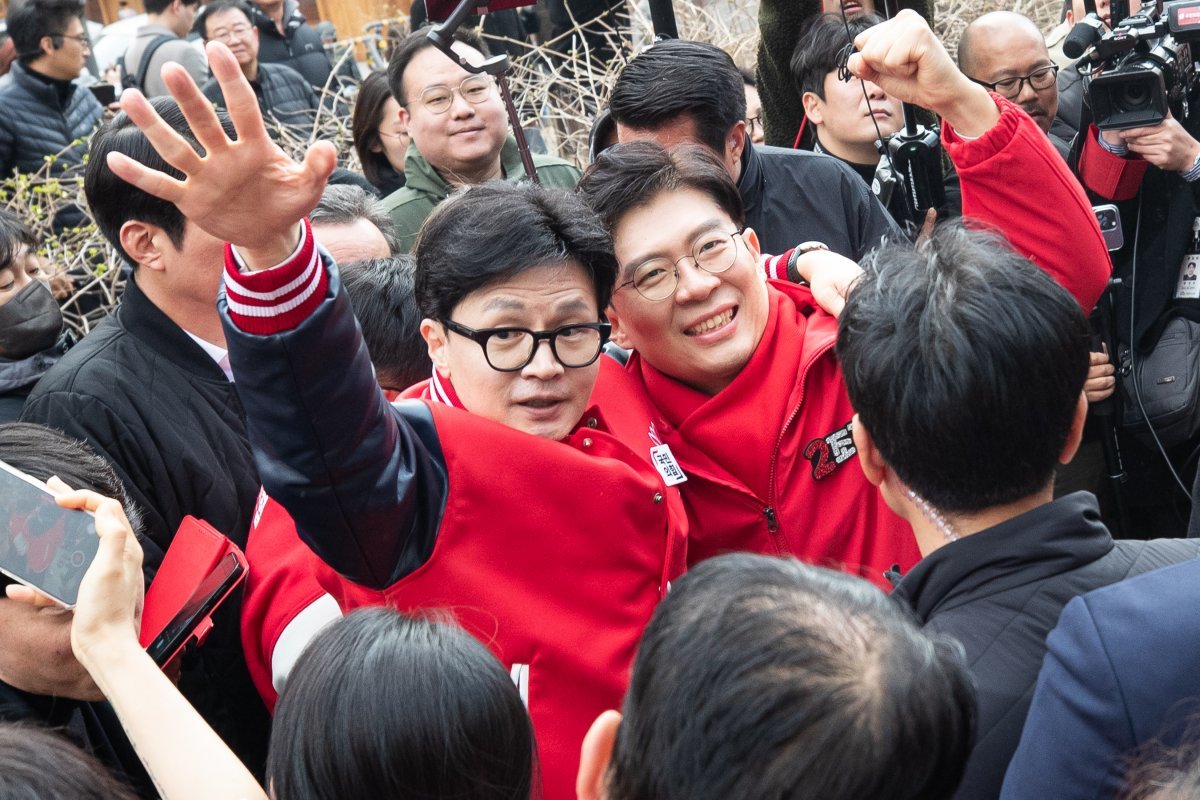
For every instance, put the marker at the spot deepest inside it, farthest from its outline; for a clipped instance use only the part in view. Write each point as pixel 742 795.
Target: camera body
pixel 1143 68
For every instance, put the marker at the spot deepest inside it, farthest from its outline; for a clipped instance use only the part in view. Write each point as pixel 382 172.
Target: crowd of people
pixel 810 492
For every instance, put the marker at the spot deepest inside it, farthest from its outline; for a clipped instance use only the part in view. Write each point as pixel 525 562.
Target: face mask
pixel 29 322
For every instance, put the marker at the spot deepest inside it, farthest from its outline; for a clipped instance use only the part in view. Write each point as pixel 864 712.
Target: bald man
pixel 1005 52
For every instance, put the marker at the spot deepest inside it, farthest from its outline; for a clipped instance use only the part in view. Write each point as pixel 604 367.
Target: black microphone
pixel 1086 33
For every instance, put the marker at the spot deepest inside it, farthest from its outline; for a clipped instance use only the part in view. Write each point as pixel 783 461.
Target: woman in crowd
pixel 454 728
pixel 380 139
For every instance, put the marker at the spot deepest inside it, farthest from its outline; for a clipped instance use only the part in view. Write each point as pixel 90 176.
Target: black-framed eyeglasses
pixel 1039 79
pixel 658 278
pixel 474 89
pixel 82 38
pixel 512 349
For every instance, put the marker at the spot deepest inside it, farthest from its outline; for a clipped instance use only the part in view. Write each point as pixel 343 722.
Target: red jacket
pixel 769 459
pixel 553 554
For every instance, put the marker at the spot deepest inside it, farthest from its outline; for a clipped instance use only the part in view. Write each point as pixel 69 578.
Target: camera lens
pixel 1134 95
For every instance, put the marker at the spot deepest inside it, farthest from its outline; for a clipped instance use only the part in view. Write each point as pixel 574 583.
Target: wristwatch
pixel 801 249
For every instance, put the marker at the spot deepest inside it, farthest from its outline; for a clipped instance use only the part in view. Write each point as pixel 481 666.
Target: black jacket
pixel 1000 592
pixel 282 93
pixel 149 400
pixel 794 196
pixel 40 117
pixel 298 47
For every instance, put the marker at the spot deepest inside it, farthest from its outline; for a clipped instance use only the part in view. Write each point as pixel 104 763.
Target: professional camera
pixel 1142 68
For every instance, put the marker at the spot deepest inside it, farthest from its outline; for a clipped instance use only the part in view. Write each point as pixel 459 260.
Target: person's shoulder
pixel 282 73
pixel 405 200
pixel 92 359
pixel 1155 587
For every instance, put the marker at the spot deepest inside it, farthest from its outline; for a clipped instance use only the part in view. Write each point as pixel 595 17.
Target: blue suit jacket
pixel 1122 668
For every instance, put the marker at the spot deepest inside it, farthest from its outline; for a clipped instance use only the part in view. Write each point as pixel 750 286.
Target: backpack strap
pixel 139 81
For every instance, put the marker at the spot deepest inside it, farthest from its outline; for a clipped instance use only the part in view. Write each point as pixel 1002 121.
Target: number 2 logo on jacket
pixel 830 452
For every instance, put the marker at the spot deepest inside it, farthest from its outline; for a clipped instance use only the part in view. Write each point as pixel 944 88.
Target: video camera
pixel 1142 68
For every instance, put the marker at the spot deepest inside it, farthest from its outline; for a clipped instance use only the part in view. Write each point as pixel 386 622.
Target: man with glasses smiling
pixel 458 129
pixel 44 112
pixel 753 401
pixel 1006 53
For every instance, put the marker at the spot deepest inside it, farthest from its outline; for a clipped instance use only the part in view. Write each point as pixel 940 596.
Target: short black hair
pixel 14 234
pixel 765 677
pixel 159 6
pixel 373 94
pixel 30 20
pixel 381 293
pixel 414 43
pixel 677 78
pixel 383 705
pixel 497 230
pixel 965 363
pixel 113 201
pixel 821 45
pixel 38 763
pixel 346 203
pixel 200 26
pixel 628 176
pixel 41 452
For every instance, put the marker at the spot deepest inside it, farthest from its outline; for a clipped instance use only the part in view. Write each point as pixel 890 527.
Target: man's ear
pixel 618 336
pixel 814 108
pixel 750 237
pixel 405 118
pixel 869 457
pixel 736 141
pixel 145 244
pixel 47 44
pixel 1075 434
pixel 596 755
pixel 436 339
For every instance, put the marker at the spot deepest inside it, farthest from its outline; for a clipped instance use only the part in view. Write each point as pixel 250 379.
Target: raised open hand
pixel 246 191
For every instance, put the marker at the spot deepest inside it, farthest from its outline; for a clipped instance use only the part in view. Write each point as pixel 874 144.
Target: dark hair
pixel 496 230
pixel 1158 772
pixel 764 677
pixel 414 43
pixel 965 363
pixel 677 78
pixel 217 7
pixel 820 47
pixel 115 202
pixel 382 705
pixel 159 6
pixel 630 175
pixel 373 94
pixel 37 764
pixel 748 77
pixel 345 204
pixel 30 20
pixel 14 234
pixel 41 452
pixel 381 293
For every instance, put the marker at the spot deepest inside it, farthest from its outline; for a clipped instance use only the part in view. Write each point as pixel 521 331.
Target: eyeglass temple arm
pixel 442 37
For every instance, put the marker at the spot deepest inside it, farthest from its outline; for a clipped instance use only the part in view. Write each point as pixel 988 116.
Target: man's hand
pixel 245 191
pixel 35 651
pixel 906 60
pixel 1101 378
pixel 1166 145
pixel 829 276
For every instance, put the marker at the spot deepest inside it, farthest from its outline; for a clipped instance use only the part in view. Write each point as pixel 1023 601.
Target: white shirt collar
pixel 216 353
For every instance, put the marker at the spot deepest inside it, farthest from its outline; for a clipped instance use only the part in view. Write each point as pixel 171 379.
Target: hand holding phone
pixel 43 545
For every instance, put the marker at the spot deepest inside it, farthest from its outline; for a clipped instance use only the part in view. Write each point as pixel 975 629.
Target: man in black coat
pixel 44 112
pixel 287 38
pixel 150 390
pixel 680 92
pixel 966 365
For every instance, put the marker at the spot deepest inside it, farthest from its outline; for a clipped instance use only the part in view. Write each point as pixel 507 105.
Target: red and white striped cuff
pixel 280 298
pixel 776 267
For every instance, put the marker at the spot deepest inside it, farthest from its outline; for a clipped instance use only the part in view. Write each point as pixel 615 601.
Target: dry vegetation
pixel 558 95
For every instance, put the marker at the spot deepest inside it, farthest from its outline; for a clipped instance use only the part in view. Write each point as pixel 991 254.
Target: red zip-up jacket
pixel 770 462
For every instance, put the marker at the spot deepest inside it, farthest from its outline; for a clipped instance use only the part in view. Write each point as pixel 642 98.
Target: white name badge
pixel 666 465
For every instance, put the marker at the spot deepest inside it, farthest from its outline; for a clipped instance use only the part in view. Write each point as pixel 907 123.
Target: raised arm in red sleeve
pixel 1013 180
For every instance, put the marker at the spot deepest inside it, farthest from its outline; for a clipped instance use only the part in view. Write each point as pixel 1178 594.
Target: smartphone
pixel 1110 226
pixel 211 592
pixel 106 93
pixel 42 544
